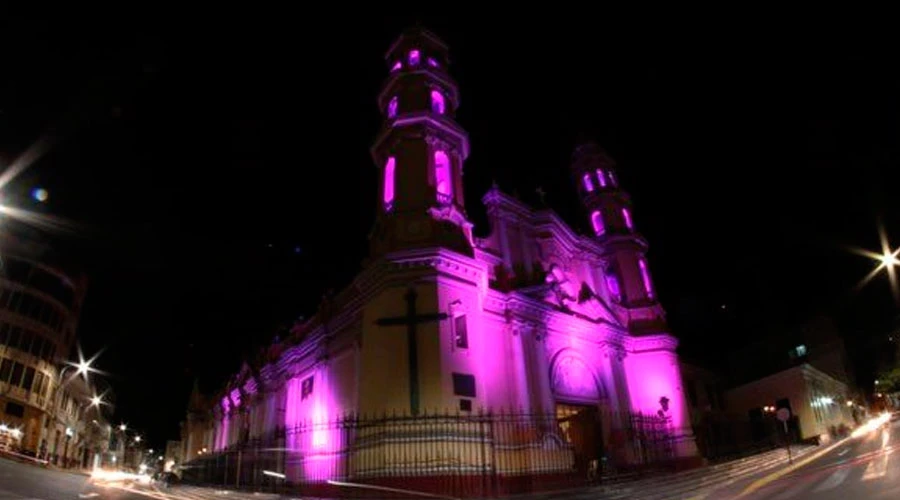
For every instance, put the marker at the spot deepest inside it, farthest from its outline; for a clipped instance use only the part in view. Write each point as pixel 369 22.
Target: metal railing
pixel 478 455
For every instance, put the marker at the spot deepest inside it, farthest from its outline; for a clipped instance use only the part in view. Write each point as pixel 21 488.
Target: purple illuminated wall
pixel 442 176
pixel 597 222
pixel 389 167
pixel 414 57
pixel 601 178
pixel 314 441
pixel 651 376
pixel 432 62
pixel 437 102
pixel 397 65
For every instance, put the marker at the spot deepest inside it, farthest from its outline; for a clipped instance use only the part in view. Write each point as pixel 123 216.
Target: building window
pixel 612 178
pixel 17 371
pixel 414 57
pixel 612 284
pixel 5 369
pixel 397 65
pixel 645 277
pixel 437 102
pixel 626 215
pixel 15 410
pixel 464 385
pixel 306 388
pixel 460 332
pixel 392 107
pixel 597 223
pixel 601 178
pixel 389 168
pixel 442 177
pixel 29 378
pixel 432 62
pixel 588 184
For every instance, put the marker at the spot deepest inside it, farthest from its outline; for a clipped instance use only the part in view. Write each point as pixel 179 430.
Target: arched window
pixel 396 67
pixel 392 107
pixel 612 284
pixel 414 56
pixel 601 177
pixel 437 102
pixel 443 179
pixel 389 167
pixel 432 62
pixel 626 215
pixel 645 277
pixel 597 222
pixel 588 184
pixel 612 178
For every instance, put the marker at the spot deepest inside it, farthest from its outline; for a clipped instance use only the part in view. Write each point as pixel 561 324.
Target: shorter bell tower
pixel 420 151
pixel 609 212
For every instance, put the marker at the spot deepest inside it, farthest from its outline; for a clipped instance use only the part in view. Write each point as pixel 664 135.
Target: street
pixel 20 481
pixel 863 467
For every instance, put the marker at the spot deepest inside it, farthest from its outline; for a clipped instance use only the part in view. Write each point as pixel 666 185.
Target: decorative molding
pixel 651 343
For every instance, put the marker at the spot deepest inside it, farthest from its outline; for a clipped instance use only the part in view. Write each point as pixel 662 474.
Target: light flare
pixel 887 260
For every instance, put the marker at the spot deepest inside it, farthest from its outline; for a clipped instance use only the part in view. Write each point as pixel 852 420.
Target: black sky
pixel 218 170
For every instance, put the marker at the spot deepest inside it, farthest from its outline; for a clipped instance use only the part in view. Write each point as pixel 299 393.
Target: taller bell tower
pixel 608 206
pixel 420 151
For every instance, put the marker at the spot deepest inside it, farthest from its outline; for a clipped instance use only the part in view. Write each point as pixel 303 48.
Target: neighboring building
pixel 40 303
pixel 819 403
pixel 816 342
pixel 564 328
pixel 197 430
pixel 172 457
pixel 705 390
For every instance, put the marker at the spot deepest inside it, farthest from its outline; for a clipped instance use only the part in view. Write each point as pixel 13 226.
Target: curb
pixel 763 481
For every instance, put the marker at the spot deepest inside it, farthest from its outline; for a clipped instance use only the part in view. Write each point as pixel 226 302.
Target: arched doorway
pixel 577 396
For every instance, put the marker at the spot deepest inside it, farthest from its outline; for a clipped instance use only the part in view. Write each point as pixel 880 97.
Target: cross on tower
pixel 541 194
pixel 411 319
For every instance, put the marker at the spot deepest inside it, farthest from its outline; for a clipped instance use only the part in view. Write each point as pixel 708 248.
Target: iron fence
pixel 477 455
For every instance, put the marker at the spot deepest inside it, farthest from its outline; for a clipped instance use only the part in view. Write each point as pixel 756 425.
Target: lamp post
pixel 82 367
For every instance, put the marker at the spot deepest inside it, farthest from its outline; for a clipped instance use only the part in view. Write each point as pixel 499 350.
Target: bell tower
pixel 627 272
pixel 420 151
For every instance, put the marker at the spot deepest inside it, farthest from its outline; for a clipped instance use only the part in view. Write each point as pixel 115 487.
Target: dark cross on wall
pixel 411 320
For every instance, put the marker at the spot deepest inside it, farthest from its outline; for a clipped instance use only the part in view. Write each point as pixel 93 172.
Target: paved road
pixel 865 467
pixel 28 482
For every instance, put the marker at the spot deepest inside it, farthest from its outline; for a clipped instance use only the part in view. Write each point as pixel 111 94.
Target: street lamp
pixel 122 427
pixel 137 439
pixel 887 260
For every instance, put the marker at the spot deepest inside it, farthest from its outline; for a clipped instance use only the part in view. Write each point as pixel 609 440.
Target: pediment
pixel 594 307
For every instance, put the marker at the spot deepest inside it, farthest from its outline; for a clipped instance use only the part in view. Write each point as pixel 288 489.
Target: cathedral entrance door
pixel 580 426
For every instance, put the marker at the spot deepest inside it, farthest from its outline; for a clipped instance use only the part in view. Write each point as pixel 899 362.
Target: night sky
pixel 217 180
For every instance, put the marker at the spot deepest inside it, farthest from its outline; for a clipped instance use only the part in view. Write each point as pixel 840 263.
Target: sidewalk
pixel 687 484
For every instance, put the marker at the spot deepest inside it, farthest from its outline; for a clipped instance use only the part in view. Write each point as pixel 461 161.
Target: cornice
pixel 651 343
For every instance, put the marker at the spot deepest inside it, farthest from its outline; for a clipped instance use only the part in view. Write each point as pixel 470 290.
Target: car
pixel 166 479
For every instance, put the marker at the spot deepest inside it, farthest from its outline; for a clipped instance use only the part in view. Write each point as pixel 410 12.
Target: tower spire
pixel 420 150
pixel 609 212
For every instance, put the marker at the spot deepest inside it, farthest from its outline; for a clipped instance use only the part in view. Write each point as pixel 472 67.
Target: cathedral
pixel 533 320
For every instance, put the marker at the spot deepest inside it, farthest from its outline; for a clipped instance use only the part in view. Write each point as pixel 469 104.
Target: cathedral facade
pixel 534 319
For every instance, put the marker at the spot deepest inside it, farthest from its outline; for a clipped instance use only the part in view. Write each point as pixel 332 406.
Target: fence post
pixel 237 472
